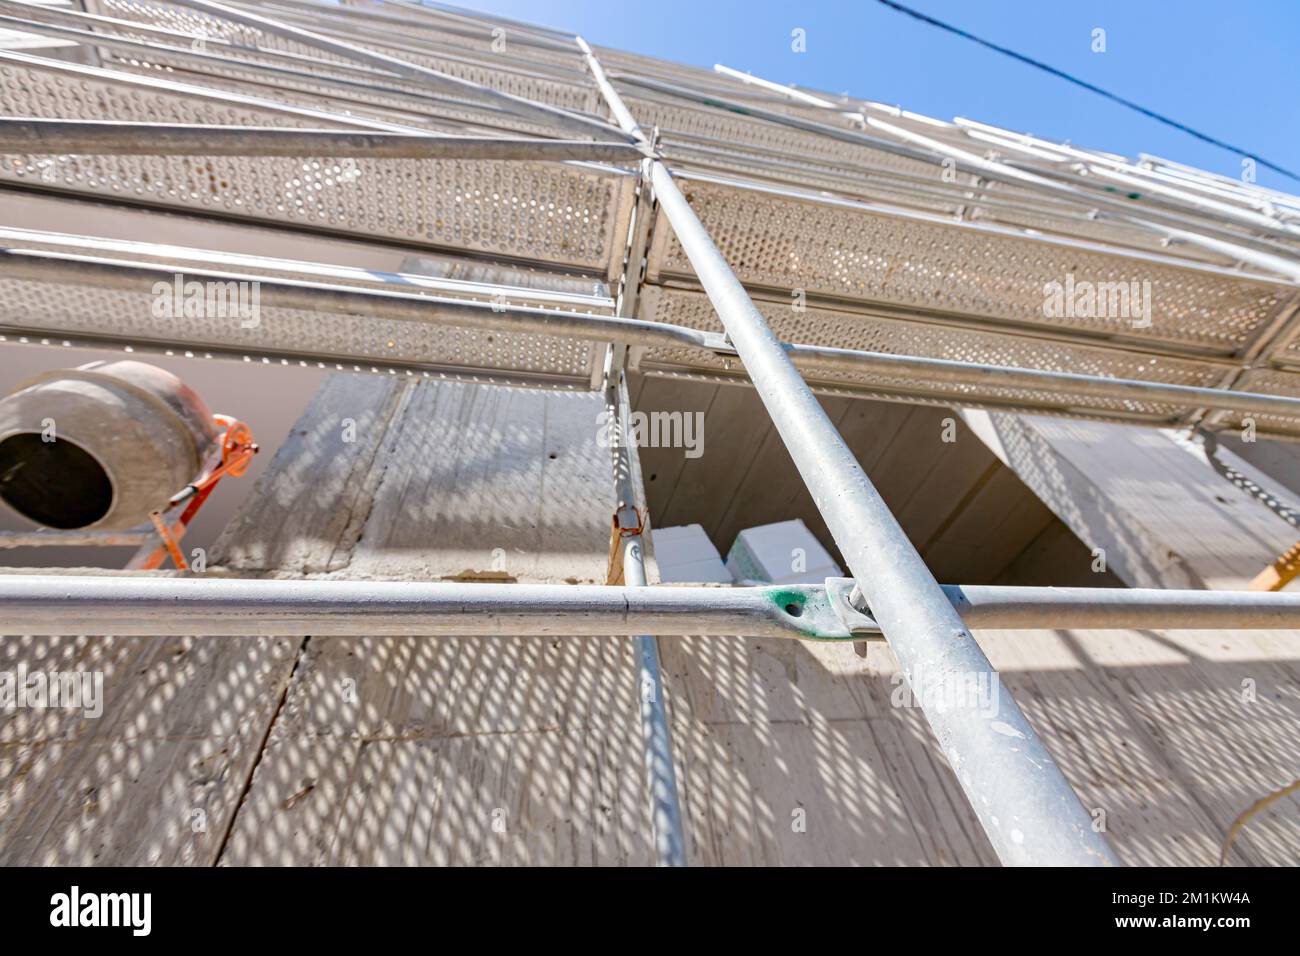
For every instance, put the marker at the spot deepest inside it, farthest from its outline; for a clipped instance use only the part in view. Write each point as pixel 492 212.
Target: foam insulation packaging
pixel 782 553
pixel 686 556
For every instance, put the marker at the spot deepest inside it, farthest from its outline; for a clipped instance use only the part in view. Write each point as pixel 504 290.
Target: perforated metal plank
pixel 191 46
pixel 482 64
pixel 677 103
pixel 481 67
pixel 467 33
pixel 781 240
pixel 378 101
pixel 187 21
pixel 856 256
pixel 383 100
pixel 443 275
pixel 337 86
pixel 1288 351
pixel 838 165
pixel 931 191
pixel 859 183
pixel 1273 381
pixel 676 116
pixel 71 308
pixel 568 214
pixel 1101 231
pixel 897 336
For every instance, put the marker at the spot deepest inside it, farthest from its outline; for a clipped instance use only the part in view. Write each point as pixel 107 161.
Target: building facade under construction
pixel 433 439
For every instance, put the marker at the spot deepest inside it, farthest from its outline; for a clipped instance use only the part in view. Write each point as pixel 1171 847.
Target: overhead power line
pixel 1205 137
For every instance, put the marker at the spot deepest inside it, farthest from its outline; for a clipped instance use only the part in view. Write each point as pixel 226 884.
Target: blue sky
pixel 1229 69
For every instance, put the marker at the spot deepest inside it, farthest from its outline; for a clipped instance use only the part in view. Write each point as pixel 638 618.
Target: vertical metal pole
pixel 661 779
pixel 1022 799
pixel 665 806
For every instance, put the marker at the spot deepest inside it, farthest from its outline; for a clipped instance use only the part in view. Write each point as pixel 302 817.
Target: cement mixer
pixel 109 446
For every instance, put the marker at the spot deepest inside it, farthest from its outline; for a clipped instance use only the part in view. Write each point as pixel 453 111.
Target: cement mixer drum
pixel 101 446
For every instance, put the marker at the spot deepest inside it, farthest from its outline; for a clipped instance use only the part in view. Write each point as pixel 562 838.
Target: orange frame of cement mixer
pixel 237 451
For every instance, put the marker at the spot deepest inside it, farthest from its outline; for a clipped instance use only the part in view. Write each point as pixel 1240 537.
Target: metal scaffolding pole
pixel 665 804
pixel 1064 383
pixel 667 828
pixel 130 605
pixel 1022 799
pixel 1124 609
pixel 110 138
pixel 336 298
pixel 210 606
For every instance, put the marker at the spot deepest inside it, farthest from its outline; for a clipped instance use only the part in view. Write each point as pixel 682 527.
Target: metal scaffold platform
pixel 568 216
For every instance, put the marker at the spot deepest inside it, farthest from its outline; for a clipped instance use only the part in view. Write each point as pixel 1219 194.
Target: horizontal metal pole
pixel 208 607
pixel 1148 216
pixel 410 43
pixel 129 606
pixel 499 280
pixel 1282 265
pixel 1010 608
pixel 860 180
pixel 789 92
pixel 303 357
pixel 45 266
pixel 1063 383
pixel 324 297
pixel 1152 192
pixel 116 33
pixel 150 139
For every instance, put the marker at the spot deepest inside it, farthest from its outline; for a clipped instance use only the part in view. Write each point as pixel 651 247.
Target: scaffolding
pixel 607 214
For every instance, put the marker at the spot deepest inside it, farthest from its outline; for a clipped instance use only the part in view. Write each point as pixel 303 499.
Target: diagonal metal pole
pixel 1022 799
